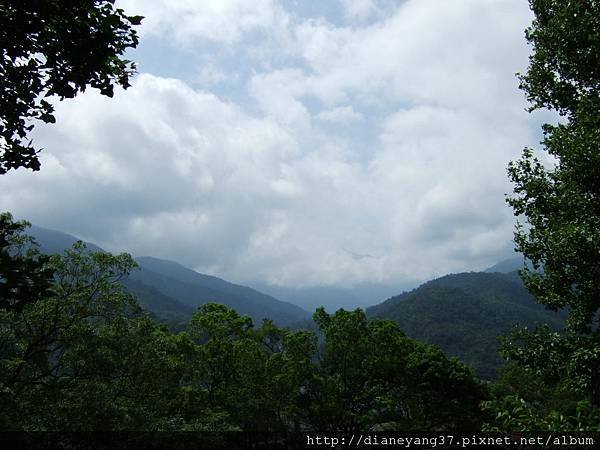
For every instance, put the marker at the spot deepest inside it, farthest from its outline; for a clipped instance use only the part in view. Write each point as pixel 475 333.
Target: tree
pixel 371 375
pixel 562 204
pixel 83 356
pixel 25 276
pixel 55 49
pixel 249 377
pixel 52 347
pixel 551 383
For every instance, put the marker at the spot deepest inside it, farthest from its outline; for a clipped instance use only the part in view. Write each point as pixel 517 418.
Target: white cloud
pixel 156 151
pixel 359 8
pixel 341 114
pixel 461 53
pixel 388 139
pixel 279 93
pixel 218 20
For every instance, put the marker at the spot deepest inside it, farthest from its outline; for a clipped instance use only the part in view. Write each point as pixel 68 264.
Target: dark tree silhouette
pixel 55 49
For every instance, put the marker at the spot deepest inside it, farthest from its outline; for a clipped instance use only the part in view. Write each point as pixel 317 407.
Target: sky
pixel 297 143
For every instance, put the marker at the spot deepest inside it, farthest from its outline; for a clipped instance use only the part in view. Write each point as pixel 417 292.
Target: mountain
pixel 172 292
pixel 162 307
pixel 53 241
pixel 510 265
pixel 464 314
pixel 193 288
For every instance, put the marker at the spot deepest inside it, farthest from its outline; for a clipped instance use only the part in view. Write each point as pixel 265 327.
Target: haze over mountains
pixel 172 292
pixel 192 289
pixel 332 297
pixel 461 313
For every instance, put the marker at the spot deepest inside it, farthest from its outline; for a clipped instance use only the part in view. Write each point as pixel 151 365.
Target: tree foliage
pixel 24 274
pixel 370 373
pixel 55 49
pixel 523 401
pixel 562 204
pixel 552 382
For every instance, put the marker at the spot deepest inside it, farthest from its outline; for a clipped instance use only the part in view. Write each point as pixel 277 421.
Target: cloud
pixel 153 152
pixel 453 53
pixel 278 94
pixel 184 21
pixel 360 9
pixel 387 137
pixel 341 114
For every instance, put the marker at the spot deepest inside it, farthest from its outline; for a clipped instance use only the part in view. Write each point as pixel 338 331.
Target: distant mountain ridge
pixel 187 286
pixel 332 297
pixel 54 241
pixel 509 265
pixel 464 313
pixel 172 292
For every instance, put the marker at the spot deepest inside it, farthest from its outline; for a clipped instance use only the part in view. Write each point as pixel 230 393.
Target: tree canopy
pixel 55 49
pixel 24 273
pixel 561 204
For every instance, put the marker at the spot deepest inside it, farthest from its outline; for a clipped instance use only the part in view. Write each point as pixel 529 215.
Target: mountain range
pixel 461 313
pixel 172 292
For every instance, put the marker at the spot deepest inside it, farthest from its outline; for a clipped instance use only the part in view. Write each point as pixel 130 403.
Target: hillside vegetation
pixel 465 313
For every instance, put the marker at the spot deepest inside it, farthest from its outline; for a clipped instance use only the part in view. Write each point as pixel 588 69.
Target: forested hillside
pixel 193 289
pixel 464 314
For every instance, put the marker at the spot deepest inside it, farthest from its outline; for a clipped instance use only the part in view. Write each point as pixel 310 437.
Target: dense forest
pixel 465 313
pixel 79 353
